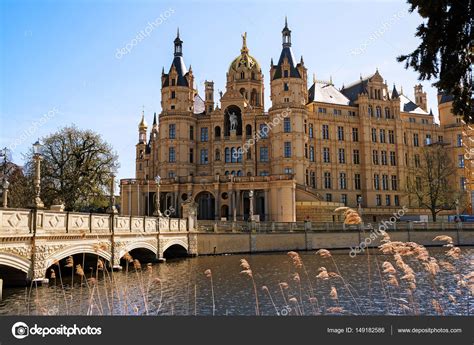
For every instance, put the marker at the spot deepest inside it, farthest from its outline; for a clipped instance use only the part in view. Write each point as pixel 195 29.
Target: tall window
pixel 172 131
pixel 459 140
pixel 227 155
pixel 287 125
pixel 378 200
pixel 375 157
pixel 387 113
pixel 391 136
pixel 173 94
pixel 396 200
pixel 355 134
pixel 393 159
pixel 342 181
pixel 263 154
pixel 374 135
pixel 383 157
pixel 378 112
pixel 370 111
pixel 191 132
pixel 327 180
pixel 415 140
pixel 417 161
pixel 344 199
pixel 355 157
pixel 311 153
pixel 385 182
pixel 204 156
pixel 342 156
pixel 394 182
pixel 376 181
pixel 357 181
pixel 326 155
pixel 311 133
pixel 387 200
pixel 325 131
pixel 382 135
pixel 264 131
pixel 204 134
pixel 313 179
pixel 340 133
pixel 191 156
pixel 287 149
pixel 172 155
pixel 461 161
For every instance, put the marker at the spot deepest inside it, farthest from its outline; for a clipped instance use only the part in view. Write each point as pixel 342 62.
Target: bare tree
pixel 76 169
pixel 430 181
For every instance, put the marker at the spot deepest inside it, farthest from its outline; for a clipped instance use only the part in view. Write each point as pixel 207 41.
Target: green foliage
pixel 445 51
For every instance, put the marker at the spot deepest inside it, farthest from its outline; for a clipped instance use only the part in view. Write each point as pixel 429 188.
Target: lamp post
pixel 456 202
pixel 157 197
pixel 359 206
pixel 112 208
pixel 251 205
pixel 37 156
pixel 5 186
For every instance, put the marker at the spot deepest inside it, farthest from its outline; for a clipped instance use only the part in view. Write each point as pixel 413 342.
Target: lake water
pixel 180 287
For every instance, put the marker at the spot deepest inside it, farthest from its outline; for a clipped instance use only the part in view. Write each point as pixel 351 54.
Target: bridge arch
pixel 77 249
pixel 138 245
pixel 175 242
pixel 15 261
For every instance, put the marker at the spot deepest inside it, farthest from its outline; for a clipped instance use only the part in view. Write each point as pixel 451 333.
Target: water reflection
pixel 180 287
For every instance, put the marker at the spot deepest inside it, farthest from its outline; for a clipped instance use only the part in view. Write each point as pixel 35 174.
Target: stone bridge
pixel 33 240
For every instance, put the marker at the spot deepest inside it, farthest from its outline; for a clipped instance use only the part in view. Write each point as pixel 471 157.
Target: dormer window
pixel 285 86
pixel 242 75
pixel 173 82
pixel 285 73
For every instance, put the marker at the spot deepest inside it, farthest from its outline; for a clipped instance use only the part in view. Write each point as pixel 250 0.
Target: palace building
pixel 317 146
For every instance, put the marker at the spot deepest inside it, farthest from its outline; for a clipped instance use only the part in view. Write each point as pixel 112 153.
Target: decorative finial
pixel 361 76
pixel 177 33
pixel 244 43
pixel 314 78
pixel 330 80
pixel 401 90
pixel 286 21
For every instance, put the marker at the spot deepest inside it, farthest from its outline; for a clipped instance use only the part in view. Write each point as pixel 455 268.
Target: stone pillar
pixel 217 204
pixel 175 201
pixel 193 244
pixel 239 203
pixel 190 213
pixel 231 204
pixel 266 203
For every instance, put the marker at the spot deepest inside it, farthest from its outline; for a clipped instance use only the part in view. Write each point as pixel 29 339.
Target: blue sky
pixel 60 57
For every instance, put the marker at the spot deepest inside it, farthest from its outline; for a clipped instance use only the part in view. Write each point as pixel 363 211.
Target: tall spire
pixel 178 45
pixel 286 35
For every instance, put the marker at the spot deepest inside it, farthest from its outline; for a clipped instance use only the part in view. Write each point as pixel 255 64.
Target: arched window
pixel 218 155
pixel 253 75
pixel 233 173
pixel 248 130
pixel 217 132
pixel 387 113
pixel 233 153
pixel 249 173
pixel 239 154
pixel 370 111
pixel 242 91
pixel 227 155
pixel 226 172
pixel 378 112
pixel 242 75
pixel 254 97
pixel 239 173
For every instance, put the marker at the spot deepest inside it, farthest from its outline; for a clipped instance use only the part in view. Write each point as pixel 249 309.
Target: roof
pixel 326 93
pixel 408 106
pixel 287 53
pixel 199 105
pixel 352 91
pixel 445 98
pixel 181 70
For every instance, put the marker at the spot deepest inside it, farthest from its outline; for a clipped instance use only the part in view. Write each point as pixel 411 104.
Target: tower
pixel 175 147
pixel 209 98
pixel 289 96
pixel 420 97
pixel 141 148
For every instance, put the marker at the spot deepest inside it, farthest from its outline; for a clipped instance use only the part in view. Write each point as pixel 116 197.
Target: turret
pixel 420 97
pixel 209 98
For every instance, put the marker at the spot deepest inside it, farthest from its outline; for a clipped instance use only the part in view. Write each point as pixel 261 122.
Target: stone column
pixel 217 204
pixel 239 203
pixel 267 205
pixel 231 204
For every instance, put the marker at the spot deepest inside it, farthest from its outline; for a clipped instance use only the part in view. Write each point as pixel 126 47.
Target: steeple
pixel 286 35
pixel 395 92
pixel 178 46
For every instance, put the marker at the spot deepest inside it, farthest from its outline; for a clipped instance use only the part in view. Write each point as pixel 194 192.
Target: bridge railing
pixel 262 227
pixel 22 221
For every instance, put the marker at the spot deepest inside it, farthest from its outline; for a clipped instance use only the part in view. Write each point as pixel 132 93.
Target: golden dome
pixel 244 60
pixel 143 124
